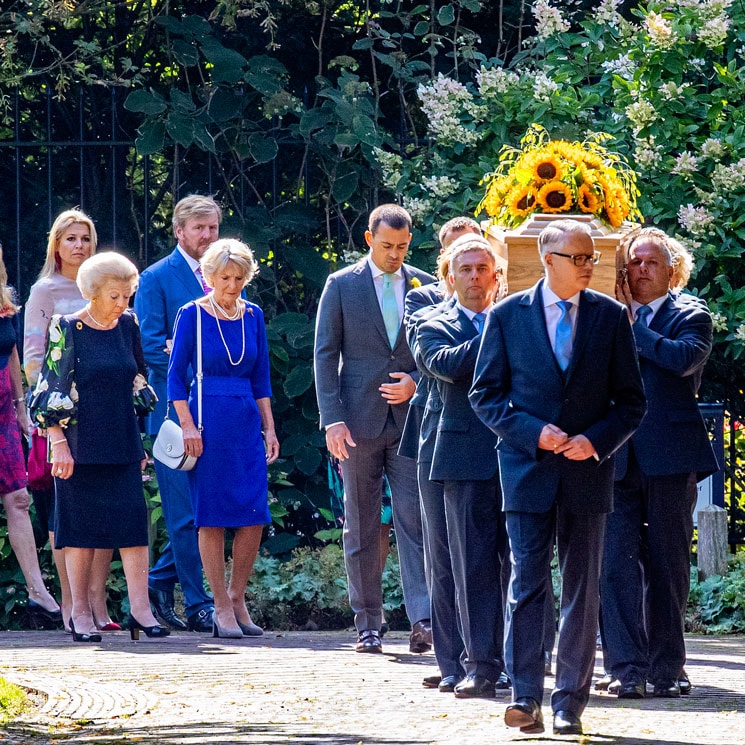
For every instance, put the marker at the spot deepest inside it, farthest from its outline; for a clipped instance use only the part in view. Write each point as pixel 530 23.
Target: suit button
pixel 566 400
pixel 393 356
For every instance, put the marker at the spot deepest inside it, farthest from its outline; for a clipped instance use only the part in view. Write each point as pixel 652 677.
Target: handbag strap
pixel 200 374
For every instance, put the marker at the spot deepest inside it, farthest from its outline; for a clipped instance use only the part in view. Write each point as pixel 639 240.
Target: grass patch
pixel 12 701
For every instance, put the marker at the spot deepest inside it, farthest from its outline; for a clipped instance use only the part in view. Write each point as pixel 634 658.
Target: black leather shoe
pixel 474 686
pixel 431 681
pixel 567 723
pixel 369 641
pixel 448 683
pixel 503 682
pixel 684 684
pixel 420 639
pixel 632 689
pixel 201 621
pixel 526 714
pixel 547 662
pixel 162 604
pixel 666 689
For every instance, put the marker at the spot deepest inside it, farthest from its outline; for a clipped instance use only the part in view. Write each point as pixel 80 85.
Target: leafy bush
pixel 717 605
pixel 12 701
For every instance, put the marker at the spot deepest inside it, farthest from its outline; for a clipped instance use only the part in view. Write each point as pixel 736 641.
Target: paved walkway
pixel 312 688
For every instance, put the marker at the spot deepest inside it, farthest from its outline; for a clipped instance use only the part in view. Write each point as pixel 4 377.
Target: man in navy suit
pixel 465 462
pixel 365 376
pixel 558 381
pixel 646 565
pixel 164 288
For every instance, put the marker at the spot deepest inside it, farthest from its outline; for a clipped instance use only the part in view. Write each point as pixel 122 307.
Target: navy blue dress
pixel 228 486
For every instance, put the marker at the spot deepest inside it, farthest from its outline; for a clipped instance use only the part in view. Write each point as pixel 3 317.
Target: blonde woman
pixel 72 239
pixel 14 421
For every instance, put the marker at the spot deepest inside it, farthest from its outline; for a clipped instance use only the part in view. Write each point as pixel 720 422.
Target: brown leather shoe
pixel 369 641
pixel 420 639
pixel 432 681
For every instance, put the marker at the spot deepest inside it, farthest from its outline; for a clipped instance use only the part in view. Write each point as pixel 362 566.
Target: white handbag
pixel 168 447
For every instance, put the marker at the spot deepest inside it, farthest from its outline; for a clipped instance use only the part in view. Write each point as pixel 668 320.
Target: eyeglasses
pixel 580 259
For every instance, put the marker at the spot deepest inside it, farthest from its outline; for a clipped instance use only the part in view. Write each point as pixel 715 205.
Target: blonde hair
pixel 96 271
pixel 194 205
pixel 221 253
pixel 63 221
pixel 7 301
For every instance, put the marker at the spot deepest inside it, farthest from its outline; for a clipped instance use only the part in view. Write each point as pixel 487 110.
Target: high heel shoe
pixel 218 632
pixel 93 638
pixel 40 617
pixel 110 626
pixel 250 629
pixel 152 632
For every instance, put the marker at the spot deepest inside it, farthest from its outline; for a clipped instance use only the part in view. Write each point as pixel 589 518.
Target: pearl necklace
pixel 219 328
pixel 105 326
pixel 216 306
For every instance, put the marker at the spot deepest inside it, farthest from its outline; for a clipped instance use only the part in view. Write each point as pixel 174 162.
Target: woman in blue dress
pixel 228 485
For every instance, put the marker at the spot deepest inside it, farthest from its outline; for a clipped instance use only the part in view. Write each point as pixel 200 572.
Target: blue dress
pixel 228 486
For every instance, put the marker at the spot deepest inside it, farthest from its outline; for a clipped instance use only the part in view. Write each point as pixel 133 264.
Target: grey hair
pixel 99 269
pixel 469 242
pixel 226 250
pixel 556 234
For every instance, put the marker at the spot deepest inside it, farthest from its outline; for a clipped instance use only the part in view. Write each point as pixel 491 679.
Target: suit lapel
pixel 184 275
pixel 660 318
pixel 544 350
pixel 369 298
pixel 585 323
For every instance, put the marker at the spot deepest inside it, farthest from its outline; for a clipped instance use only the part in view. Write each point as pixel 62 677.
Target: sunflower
pixel 544 166
pixel 555 196
pixel 587 200
pixel 520 201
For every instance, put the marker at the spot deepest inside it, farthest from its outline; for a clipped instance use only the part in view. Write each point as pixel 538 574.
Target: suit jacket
pixel 353 356
pixel 164 288
pixel 519 387
pixel 672 438
pixel 465 449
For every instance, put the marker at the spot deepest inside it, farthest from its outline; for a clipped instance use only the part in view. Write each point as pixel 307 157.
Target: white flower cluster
pixel 439 186
pixel 696 220
pixel 672 92
pixel 391 165
pixel 495 81
pixel 660 30
pixel 646 153
pixel 712 148
pixel 418 208
pixel 729 178
pixel 713 33
pixel 543 87
pixel 686 165
pixel 719 322
pixel 443 102
pixel 548 20
pixel 640 113
pixel 352 257
pixel 740 332
pixel 607 12
pixel 623 66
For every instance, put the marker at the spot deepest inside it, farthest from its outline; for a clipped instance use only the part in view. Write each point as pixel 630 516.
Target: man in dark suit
pixel 164 288
pixel 558 381
pixel 365 376
pixel 646 565
pixel 465 462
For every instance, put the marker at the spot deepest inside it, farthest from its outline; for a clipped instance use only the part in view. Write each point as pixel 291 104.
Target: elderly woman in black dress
pixel 92 378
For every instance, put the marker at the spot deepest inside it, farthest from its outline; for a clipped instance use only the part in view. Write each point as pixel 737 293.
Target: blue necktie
pixel 390 309
pixel 642 314
pixel 563 339
pixel 478 321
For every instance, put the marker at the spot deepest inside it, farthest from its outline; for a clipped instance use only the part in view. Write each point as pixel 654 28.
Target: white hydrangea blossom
pixel 439 186
pixel 495 81
pixel 646 153
pixel 623 66
pixel 660 30
pixel 729 178
pixel 352 257
pixel 686 165
pixel 548 20
pixel 418 208
pixel 705 196
pixel 607 12
pixel 696 220
pixel 640 113
pixel 712 148
pixel 719 321
pixel 443 102
pixel 714 31
pixel 740 332
pixel 672 92
pixel 391 165
pixel 544 87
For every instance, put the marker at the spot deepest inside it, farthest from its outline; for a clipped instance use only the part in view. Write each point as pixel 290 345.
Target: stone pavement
pixel 311 688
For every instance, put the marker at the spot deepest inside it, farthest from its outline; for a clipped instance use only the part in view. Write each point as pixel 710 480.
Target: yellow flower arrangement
pixel 555 176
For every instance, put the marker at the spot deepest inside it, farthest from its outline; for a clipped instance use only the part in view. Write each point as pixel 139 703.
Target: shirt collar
pixel 471 313
pixel 192 262
pixel 655 305
pixel 551 298
pixel 377 272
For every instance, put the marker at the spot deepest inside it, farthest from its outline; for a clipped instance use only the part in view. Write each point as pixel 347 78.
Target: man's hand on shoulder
pixel 338 437
pixel 400 392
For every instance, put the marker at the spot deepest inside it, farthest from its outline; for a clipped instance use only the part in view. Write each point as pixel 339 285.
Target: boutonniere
pixel 250 311
pixel 416 282
pixel 79 325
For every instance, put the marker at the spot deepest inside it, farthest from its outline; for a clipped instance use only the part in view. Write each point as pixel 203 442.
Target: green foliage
pixel 12 701
pixel 718 603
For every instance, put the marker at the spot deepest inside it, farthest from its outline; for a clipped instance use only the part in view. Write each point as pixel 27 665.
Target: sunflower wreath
pixel 554 176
